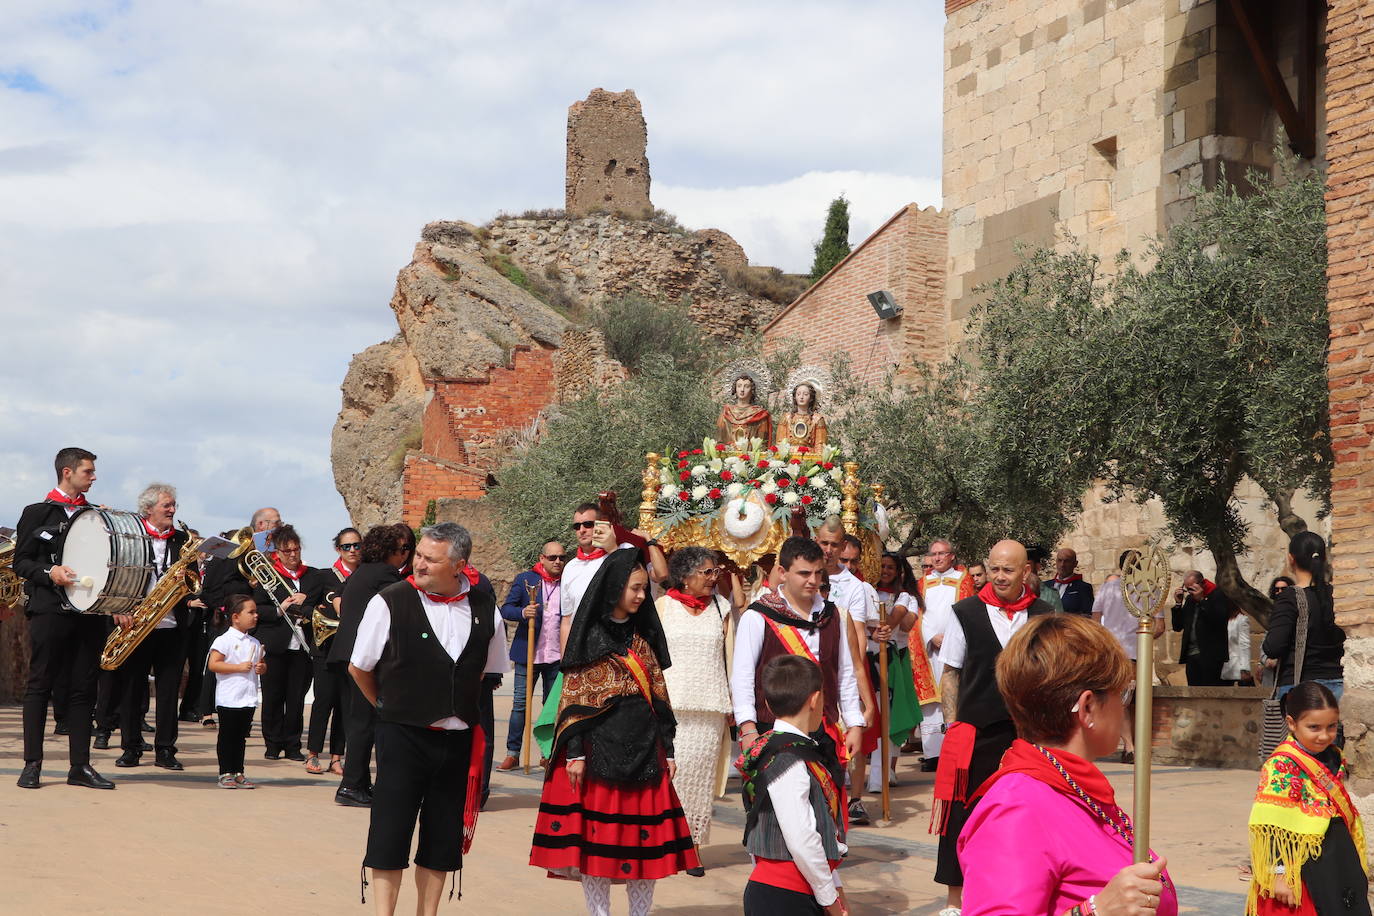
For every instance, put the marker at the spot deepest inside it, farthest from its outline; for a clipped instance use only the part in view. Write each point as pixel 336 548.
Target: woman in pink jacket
pixel 1047 837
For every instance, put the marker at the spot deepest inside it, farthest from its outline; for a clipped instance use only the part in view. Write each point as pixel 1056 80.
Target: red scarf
pixel 1024 758
pixel 442 599
pixel 596 554
pixel 989 596
pixel 472 574
pixel 1076 577
pixel 290 577
pixel 696 604
pixel 57 496
pixel 154 533
pixel 1208 586
pixel 342 569
pixel 544 573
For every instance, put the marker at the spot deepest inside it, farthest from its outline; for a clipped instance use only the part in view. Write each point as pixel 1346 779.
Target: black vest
pixel 417 682
pixel 980 702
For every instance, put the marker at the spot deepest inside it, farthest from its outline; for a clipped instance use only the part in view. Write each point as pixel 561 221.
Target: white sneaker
pixel 949 911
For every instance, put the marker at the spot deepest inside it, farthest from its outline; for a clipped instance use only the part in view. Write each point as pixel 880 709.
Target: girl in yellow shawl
pixel 1307 847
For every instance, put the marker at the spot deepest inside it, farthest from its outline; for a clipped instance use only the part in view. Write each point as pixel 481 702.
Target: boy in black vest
pixel 421 651
pixel 794 828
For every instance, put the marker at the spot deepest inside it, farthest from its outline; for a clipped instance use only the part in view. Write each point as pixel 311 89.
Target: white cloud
pixel 203 206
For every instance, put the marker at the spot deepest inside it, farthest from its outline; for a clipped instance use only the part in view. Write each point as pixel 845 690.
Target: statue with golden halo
pixel 804 422
pixel 744 414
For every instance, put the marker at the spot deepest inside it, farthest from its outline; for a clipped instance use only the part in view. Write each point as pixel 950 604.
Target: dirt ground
pixel 175 843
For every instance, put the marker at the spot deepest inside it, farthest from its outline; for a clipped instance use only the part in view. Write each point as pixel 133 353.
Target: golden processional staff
pixel 532 592
pixel 1144 589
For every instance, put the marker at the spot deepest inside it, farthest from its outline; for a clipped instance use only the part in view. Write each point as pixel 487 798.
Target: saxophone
pixel 11 586
pixel 180 580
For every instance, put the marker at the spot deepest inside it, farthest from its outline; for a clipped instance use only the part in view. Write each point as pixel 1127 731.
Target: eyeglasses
pixel 941 553
pixel 588 524
pixel 354 546
pixel 296 549
pixel 554 557
pixel 711 572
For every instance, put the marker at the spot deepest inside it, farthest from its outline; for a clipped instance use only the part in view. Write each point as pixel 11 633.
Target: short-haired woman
pixel 699 628
pixel 1062 678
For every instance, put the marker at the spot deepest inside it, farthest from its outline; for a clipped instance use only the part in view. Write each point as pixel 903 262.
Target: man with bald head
pixel 266 519
pixel 1075 593
pixel 978 729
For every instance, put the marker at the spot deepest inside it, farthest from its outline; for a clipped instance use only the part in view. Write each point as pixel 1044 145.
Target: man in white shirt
pixel 596 539
pixel 423 647
pixel 940 588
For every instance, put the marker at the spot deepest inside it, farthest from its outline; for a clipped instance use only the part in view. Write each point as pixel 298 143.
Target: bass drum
pixel 112 556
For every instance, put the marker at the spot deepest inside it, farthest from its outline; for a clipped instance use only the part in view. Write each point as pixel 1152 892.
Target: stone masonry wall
pixel 608 167
pixel 905 257
pixel 1350 274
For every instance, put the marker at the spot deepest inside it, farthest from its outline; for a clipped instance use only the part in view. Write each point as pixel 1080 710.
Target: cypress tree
pixel 834 244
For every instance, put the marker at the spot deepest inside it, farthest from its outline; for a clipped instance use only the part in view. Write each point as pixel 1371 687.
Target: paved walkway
pixel 174 843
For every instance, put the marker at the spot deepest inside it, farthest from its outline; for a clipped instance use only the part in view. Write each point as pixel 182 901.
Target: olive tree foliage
pixel 1177 379
pixel 928 441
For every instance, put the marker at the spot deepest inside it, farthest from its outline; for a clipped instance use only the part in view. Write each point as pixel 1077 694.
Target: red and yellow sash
pixel 635 665
pixel 922 675
pixel 828 789
pixel 792 641
pixel 1336 792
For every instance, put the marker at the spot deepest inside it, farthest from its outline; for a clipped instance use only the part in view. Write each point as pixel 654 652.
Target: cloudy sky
pixel 203 205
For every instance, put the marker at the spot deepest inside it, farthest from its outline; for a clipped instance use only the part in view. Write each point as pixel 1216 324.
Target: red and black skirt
pixel 605 830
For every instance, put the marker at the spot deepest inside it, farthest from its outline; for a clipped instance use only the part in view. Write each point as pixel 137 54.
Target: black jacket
pixel 38 547
pixel 1212 612
pixel 367 580
pixel 272 630
pixel 1325 640
pixel 1077 597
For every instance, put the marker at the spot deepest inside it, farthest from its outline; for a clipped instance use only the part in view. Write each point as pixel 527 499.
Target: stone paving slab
pixel 176 843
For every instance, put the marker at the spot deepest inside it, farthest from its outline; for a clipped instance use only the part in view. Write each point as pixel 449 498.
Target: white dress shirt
pixel 894 601
pixel 955 648
pixel 749 643
pixel 160 563
pixel 790 793
pixel 577 575
pixel 854 595
pixel 451 622
pixel 236 689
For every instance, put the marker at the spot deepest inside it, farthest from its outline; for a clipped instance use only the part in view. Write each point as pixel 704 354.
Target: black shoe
pixel 295 755
pixel 61 728
pixel 858 816
pixel 29 779
pixel 930 764
pixel 189 715
pixel 129 759
pixel 168 761
pixel 698 872
pixel 353 798
pixel 102 739
pixel 85 776
pixel 146 728
pixel 271 755
pixel 145 747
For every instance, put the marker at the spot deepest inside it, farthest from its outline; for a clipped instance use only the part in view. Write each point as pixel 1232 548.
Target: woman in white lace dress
pixel 698 627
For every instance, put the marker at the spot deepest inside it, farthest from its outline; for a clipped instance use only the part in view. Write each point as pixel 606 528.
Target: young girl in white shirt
pixel 237 661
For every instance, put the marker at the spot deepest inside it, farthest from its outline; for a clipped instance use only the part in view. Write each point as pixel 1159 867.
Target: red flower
pixel 828 466
pixel 727 476
pixel 696 451
pixel 803 449
pixel 682 463
pixel 683 495
pixel 784 482
pixel 685 475
pixel 772 448
pixel 801 481
pixel 756 483
pixel 770 498
pixel 682 454
pixel 719 447
pixel 806 500
pixel 763 462
pixel 795 461
pixel 715 492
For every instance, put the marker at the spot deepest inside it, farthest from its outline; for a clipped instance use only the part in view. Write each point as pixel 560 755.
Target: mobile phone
pixel 600 530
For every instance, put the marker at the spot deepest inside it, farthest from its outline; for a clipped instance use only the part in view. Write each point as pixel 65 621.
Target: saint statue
pixel 803 424
pixel 745 418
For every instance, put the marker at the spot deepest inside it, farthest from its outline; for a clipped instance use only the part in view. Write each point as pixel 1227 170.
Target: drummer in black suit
pixel 163 651
pixel 288 659
pixel 59 638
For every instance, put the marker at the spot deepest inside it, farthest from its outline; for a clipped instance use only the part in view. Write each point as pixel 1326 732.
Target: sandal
pixel 312 765
pixel 336 766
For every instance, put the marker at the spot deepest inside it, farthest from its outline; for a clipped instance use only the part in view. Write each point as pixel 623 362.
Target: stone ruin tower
pixel 608 170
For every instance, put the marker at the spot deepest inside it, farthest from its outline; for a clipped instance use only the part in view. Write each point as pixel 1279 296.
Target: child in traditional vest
pixel 794 826
pixel 1306 841
pixel 236 660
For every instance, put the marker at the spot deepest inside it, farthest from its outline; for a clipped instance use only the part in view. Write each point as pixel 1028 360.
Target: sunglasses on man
pixel 554 557
pixel 586 524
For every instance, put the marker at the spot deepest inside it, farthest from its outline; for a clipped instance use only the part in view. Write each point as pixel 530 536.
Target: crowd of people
pixel 661 674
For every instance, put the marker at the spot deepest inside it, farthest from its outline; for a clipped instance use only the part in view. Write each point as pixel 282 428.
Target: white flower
pixel 709 446
pixel 832 506
pixel 669 491
pixel 715 464
pixel 775 463
pixel 699 471
pixel 700 492
pixel 735 489
pixel 837 475
pixel 664 477
pixel 769 487
pixel 789 498
pixel 784 448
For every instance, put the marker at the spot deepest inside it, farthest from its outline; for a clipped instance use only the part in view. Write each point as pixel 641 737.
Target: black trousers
pixel 163 652
pixel 422 773
pixel 360 724
pixel 61 693
pixel 327 710
pixel 107 690
pixel 1203 672
pixel 488 716
pixel 283 700
pixel 62 643
pixel 234 724
pixel 197 652
pixel 766 900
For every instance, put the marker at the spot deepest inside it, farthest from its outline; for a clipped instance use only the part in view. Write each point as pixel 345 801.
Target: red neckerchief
pixel 1022 757
pixel 294 577
pixel 442 599
pixel 696 604
pixel 472 574
pixel 596 554
pixel 57 496
pixel 342 569
pixel 1208 586
pixel 1065 581
pixel 154 533
pixel 988 596
pixel 544 573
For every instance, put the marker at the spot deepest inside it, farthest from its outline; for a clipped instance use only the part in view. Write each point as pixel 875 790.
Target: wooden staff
pixel 533 592
pixel 885 704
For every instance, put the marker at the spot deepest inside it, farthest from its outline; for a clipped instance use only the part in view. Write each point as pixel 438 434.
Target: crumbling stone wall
pixel 608 167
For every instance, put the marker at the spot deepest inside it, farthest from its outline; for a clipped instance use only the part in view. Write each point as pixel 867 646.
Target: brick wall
pixel 1350 275
pixel 905 257
pixel 426 478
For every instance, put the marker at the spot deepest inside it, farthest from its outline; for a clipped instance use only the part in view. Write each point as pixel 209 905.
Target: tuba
pixel 11 586
pixel 258 570
pixel 180 580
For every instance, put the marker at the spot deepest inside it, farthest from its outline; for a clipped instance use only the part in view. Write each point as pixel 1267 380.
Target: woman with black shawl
pixel 608 811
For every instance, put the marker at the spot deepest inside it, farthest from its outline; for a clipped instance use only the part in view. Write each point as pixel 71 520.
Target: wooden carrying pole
pixel 885 704
pixel 533 592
